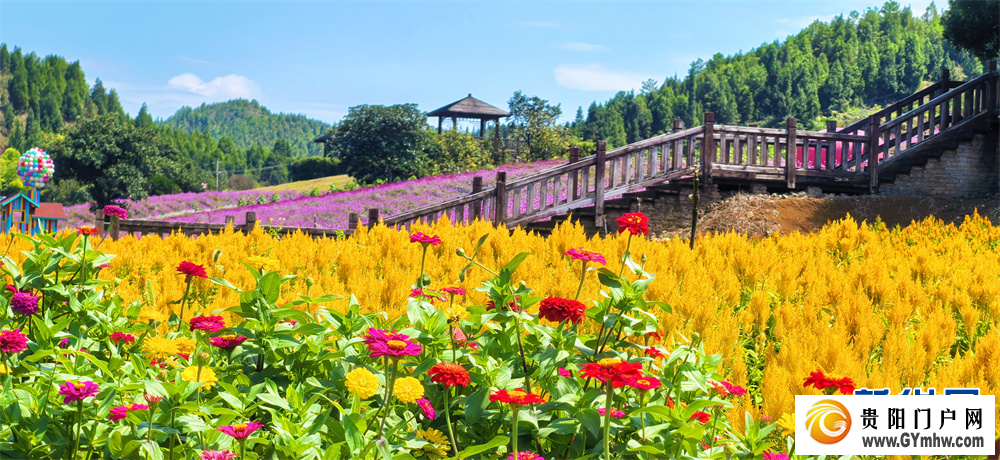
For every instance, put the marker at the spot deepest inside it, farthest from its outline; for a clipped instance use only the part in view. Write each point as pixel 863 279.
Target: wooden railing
pixel 139 228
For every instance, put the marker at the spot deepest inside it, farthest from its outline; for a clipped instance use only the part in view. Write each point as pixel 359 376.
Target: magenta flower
pixel 421 293
pixel 227 342
pixel 208 323
pixel 64 342
pixel 734 389
pixel 217 455
pixel 116 211
pixel 241 430
pixel 383 343
pixel 122 337
pixel 563 372
pixel 525 455
pixel 586 256
pixel 24 303
pixel 119 413
pixel 425 239
pixel 454 290
pixel 428 409
pixel 770 455
pixel 75 391
pixel 13 341
pixel 616 413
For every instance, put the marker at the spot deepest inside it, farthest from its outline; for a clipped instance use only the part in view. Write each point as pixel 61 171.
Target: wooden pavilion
pixel 470 108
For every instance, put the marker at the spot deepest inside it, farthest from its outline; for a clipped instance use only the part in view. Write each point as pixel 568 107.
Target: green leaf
pixel 475 405
pixel 492 444
pixel 516 261
pixel 274 401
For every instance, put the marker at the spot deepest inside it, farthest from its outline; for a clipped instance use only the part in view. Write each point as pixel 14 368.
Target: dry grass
pixel 323 184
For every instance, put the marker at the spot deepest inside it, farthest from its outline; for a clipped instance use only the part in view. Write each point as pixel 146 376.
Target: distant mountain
pixel 249 124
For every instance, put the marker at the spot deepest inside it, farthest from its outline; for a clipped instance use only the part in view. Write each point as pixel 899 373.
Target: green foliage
pixel 452 151
pixel 533 122
pixel 382 142
pixel 66 191
pixel 249 124
pixel 9 180
pixel 314 168
pixel 974 25
pixel 859 59
pixel 240 182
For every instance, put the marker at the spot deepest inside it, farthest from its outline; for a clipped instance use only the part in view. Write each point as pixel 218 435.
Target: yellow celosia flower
pixel 362 383
pixel 160 348
pixel 149 314
pixel 787 424
pixel 200 374
pixel 4 369
pixel 407 390
pixel 432 436
pixel 186 345
pixel 263 262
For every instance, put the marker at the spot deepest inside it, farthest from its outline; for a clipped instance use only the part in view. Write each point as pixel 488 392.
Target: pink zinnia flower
pixel 454 290
pixel 118 413
pixel 24 303
pixel 770 455
pixel 525 455
pixel 14 290
pixel 116 211
pixel 217 455
pixel 425 239
pixel 701 417
pixel 586 256
pixel 189 269
pixel 122 337
pixel 383 343
pixel 208 323
pixel 75 391
pixel 227 342
pixel 13 341
pixel 734 389
pixel 152 399
pixel 563 372
pixel 425 294
pixel 616 413
pixel 241 430
pixel 459 337
pixel 428 409
pixel 64 342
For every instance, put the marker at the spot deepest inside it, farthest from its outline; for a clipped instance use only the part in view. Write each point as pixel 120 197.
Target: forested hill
pixel 250 124
pixel 851 63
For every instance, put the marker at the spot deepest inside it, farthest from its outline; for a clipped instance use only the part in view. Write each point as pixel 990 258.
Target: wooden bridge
pixel 898 137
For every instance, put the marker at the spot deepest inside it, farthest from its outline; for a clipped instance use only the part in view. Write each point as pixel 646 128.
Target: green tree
pixel 143 120
pixel 111 157
pixel 9 180
pixel 379 142
pixel 4 58
pixel 533 122
pixel 974 25
pixel 75 93
pixel 17 86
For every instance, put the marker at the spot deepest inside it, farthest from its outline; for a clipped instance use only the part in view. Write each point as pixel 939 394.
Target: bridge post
pixel 678 125
pixel 574 177
pixel 599 184
pixel 873 149
pixel 992 88
pixel 250 222
pixel 708 144
pixel 945 79
pixel 352 221
pixel 791 152
pixel 831 148
pixel 500 201
pixel 477 207
pixel 372 217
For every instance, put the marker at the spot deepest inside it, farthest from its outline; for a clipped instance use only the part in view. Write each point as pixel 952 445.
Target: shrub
pixel 240 182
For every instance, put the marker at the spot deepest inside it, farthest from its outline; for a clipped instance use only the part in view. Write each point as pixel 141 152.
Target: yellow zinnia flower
pixel 432 436
pixel 432 451
pixel 185 345
pixel 408 390
pixel 160 348
pixel 4 369
pixel 362 383
pixel 200 374
pixel 787 424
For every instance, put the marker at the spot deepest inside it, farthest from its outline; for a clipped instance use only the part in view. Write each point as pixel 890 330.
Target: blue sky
pixel 318 58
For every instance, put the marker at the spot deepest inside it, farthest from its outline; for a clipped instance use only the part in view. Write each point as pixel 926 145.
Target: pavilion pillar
pixel 454 124
pixel 482 128
pixel 440 119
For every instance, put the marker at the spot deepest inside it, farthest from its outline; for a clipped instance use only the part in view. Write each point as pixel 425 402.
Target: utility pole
pixel 217 174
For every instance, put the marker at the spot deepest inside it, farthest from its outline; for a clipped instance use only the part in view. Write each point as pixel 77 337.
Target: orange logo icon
pixel 828 421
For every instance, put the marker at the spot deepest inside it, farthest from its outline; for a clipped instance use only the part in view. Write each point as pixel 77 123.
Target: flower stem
pixel 607 421
pixel 524 360
pixel 388 398
pixel 625 256
pixel 513 435
pixel 642 417
pixel 243 449
pixel 447 417
pixel 583 275
pixel 187 290
pixel 149 429
pixel 451 333
pixel 79 425
pixel 423 258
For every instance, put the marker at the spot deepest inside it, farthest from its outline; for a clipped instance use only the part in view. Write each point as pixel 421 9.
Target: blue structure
pixel 28 215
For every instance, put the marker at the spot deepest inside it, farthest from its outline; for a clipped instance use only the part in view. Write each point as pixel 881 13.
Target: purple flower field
pixel 326 211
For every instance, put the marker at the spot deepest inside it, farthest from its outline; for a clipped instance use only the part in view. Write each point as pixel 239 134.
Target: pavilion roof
pixel 469 107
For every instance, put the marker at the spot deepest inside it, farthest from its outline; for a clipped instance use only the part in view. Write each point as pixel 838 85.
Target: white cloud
pixel 581 46
pixel 228 87
pixel 596 77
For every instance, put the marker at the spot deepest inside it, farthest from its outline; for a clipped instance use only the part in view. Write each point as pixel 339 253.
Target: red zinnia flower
pixel 449 374
pixel 516 398
pixel 845 385
pixel 208 323
pixel 634 222
pixel 512 305
pixel 645 383
pixel 118 413
pixel 654 352
pixel 87 231
pixel 13 341
pixel 612 370
pixel 721 389
pixel 383 343
pixel 701 417
pixel 735 390
pixel 425 239
pixel 189 269
pixel 670 402
pixel 122 337
pixel 655 335
pixel 78 391
pixel 559 310
pixel 241 430
pixel 227 342
pixel 586 256
pixel 616 413
pixel 818 380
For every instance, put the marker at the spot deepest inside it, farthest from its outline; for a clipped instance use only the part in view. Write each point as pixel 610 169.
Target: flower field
pixel 295 210
pixel 391 345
